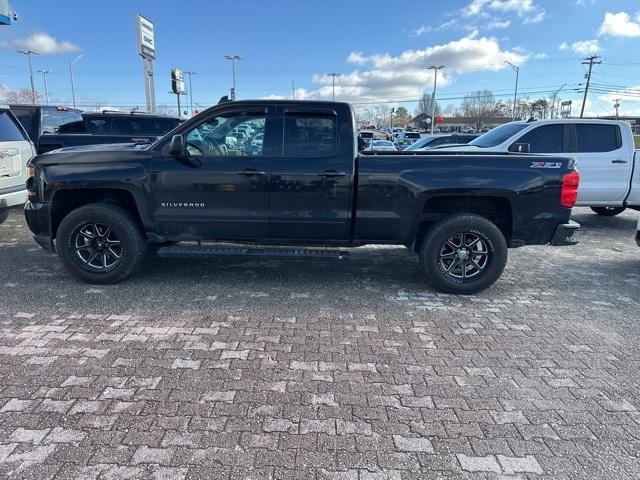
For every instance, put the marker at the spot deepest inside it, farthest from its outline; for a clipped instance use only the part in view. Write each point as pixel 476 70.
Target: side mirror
pixel 177 147
pixel 519 147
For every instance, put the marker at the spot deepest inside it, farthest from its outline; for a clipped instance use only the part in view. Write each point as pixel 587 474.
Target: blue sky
pixel 380 48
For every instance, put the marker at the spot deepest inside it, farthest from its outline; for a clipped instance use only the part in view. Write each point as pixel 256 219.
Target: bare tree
pixel 479 106
pixel 383 114
pixel 425 105
pixel 20 96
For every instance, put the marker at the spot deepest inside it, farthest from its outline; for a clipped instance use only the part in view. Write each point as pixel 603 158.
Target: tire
pixel 119 251
pixel 444 264
pixel 4 214
pixel 608 211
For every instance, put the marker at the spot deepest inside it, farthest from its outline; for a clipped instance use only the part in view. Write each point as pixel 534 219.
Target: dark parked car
pixel 51 127
pixel 304 184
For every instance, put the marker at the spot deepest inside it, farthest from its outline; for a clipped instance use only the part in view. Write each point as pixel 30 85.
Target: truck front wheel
pixel 463 253
pixel 608 211
pixel 100 243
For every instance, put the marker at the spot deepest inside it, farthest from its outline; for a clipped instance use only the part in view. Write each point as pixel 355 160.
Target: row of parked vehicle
pixel 26 130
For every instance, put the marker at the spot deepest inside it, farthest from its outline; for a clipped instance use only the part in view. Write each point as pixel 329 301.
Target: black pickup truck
pixel 288 173
pixel 52 127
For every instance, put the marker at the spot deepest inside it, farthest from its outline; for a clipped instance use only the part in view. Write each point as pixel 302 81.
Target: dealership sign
pixel 146 42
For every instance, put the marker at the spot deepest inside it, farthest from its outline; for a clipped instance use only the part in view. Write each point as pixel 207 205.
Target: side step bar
pixel 182 251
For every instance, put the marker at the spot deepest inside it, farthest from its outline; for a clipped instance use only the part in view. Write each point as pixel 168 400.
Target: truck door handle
pixel 619 161
pixel 332 173
pixel 248 172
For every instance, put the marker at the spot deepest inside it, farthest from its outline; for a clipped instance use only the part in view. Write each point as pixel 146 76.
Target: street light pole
pixel 433 97
pixel 333 84
pixel 190 91
pixel 28 53
pixel 44 78
pixel 555 96
pixel 233 59
pixel 515 93
pixel 73 91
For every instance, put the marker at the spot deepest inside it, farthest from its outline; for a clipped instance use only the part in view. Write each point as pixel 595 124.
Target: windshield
pixel 498 135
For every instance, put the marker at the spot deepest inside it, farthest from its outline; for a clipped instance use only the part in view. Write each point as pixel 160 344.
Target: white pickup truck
pixel 604 151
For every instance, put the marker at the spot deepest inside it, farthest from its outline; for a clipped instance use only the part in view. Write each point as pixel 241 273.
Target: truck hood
pixel 105 153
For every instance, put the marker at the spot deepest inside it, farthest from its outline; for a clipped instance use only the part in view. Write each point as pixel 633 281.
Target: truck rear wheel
pixel 100 243
pixel 463 253
pixel 608 211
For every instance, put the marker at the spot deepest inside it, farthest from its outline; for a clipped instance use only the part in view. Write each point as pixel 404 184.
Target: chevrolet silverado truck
pixel 604 151
pixel 52 127
pixel 305 185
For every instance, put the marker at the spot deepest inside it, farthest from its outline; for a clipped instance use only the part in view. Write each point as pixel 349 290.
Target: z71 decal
pixel 546 164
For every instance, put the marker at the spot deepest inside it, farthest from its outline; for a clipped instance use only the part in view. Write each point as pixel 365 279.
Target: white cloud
pixel 42 43
pixel 631 94
pixel 356 57
pixel 498 24
pixel 620 25
pixel 585 3
pixel 584 47
pixel 528 10
pixel 428 28
pixel 406 75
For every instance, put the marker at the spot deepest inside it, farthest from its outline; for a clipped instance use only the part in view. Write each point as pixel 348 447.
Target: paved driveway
pixel 247 368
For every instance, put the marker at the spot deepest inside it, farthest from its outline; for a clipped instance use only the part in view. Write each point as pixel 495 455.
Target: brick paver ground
pixel 536 378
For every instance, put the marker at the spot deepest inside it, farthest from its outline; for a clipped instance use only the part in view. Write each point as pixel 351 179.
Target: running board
pixel 182 251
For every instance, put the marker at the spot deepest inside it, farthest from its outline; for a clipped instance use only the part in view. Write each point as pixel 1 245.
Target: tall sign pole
pixel 147 50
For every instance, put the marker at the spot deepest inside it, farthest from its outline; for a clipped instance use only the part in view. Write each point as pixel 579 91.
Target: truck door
pixel 225 195
pixel 605 164
pixel 311 176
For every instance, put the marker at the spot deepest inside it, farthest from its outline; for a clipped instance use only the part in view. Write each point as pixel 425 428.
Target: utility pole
pixel 433 96
pixel 28 53
pixel 293 90
pixel 73 91
pixel 190 91
pixel 616 105
pixel 44 77
pixel 333 83
pixel 591 61
pixel 233 59
pixel 515 93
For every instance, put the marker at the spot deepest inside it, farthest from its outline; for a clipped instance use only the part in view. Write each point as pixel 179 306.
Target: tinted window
pixel 498 135
pixel 309 134
pixel 52 119
pixel 440 141
pixel 221 135
pixel 544 139
pixel 9 130
pixel 73 127
pixel 593 137
pixel 465 138
pixel 98 125
pixel 125 125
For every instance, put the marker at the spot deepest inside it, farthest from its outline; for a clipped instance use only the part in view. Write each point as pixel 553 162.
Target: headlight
pixel 31 170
